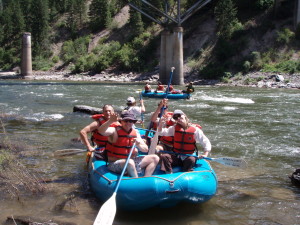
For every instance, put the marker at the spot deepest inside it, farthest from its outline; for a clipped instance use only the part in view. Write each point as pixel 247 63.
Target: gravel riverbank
pixel 255 79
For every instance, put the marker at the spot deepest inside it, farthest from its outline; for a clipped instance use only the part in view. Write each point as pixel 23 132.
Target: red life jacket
pixel 123 145
pixel 160 87
pixel 184 140
pixel 147 88
pixel 168 140
pixel 98 138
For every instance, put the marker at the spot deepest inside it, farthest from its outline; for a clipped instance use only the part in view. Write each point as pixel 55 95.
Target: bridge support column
pixel 171 54
pixel 26 66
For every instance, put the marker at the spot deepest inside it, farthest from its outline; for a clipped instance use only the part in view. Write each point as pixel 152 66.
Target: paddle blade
pixel 107 212
pixel 153 144
pixel 229 161
pixel 65 152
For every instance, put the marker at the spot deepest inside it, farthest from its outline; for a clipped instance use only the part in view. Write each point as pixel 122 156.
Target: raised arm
pixel 163 103
pixel 143 109
pixel 105 128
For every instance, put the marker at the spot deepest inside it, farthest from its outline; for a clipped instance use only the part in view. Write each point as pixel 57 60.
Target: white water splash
pixel 227 99
pixel 44 117
pixel 228 108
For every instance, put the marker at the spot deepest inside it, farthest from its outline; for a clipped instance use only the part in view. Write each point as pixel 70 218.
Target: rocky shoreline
pixel 255 79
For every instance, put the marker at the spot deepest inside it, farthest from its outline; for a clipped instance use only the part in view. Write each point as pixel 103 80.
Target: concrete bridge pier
pixel 171 55
pixel 26 60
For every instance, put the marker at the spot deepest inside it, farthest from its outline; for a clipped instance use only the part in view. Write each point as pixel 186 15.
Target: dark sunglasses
pixel 175 117
pixel 129 121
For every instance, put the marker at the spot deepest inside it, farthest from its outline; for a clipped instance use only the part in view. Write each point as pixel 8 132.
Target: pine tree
pixel 226 18
pixel 100 14
pixel 135 20
pixel 25 7
pixel 39 25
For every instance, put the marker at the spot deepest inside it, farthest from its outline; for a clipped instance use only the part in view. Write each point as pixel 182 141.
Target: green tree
pixel 100 14
pixel 226 18
pixel 13 20
pixel 39 25
pixel 77 15
pixel 135 20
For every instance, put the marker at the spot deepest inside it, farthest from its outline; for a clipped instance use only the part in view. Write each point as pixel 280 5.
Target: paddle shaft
pixel 170 80
pixel 124 169
pixel 142 114
pixel 107 212
pixel 64 152
pixel 155 138
pixel 227 161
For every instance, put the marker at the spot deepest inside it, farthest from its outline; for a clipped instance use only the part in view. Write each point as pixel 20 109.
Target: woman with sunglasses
pixel 185 135
pixel 120 142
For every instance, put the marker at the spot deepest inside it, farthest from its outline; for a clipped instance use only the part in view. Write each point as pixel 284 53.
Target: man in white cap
pixel 133 108
pixel 186 135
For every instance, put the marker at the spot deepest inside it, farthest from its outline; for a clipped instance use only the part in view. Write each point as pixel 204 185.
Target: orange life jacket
pixel 98 138
pixel 184 140
pixel 123 145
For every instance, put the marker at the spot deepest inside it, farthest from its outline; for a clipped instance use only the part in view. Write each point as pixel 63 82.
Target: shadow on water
pixel 185 213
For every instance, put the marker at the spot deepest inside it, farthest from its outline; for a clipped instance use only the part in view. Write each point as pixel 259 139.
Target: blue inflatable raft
pixel 162 190
pixel 164 95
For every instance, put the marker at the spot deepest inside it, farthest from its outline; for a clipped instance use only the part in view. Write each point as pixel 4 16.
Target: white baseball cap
pixel 178 111
pixel 131 100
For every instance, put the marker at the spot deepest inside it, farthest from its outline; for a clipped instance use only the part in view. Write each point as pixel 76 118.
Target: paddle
pixel 142 114
pixel 154 140
pixel 108 210
pixel 227 161
pixel 64 152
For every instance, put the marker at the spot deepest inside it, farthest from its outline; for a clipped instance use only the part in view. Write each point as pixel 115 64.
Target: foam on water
pixel 228 108
pixel 228 99
pixel 44 117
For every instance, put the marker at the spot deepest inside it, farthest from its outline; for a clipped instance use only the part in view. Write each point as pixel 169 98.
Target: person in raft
pixel 147 88
pixel 132 108
pixel 160 87
pixel 120 141
pixel 185 136
pixel 165 142
pixel 96 138
pixel 189 88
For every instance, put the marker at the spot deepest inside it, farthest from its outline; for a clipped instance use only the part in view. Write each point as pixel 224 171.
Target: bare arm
pixel 84 134
pixel 141 144
pixel 162 103
pixel 143 109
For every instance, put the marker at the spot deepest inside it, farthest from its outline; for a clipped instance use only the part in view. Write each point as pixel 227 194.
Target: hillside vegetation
pixel 225 38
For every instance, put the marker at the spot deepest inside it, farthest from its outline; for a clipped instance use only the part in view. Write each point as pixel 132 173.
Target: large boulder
pixel 87 109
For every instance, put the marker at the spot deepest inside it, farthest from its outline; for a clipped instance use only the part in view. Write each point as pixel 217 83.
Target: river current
pixel 258 125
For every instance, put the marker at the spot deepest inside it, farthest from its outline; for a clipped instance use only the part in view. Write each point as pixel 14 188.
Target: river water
pixel 258 125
